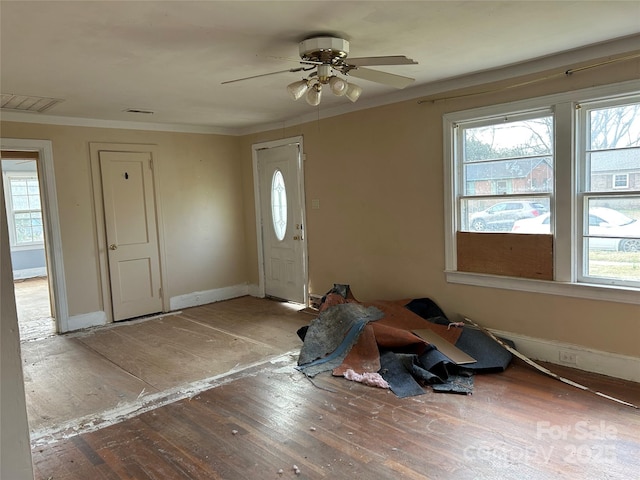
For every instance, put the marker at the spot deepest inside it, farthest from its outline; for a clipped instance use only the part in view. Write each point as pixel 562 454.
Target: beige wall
pixel 200 192
pixel 378 174
pixel 15 452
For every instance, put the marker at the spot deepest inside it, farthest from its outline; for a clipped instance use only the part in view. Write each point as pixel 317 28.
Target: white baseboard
pixel 29 273
pixel 86 320
pixel 254 291
pixel 596 361
pixel 209 296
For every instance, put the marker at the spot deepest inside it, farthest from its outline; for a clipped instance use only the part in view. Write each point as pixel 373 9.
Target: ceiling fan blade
pixel 299 69
pixel 397 81
pixel 388 60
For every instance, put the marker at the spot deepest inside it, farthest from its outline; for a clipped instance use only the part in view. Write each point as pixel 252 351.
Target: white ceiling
pixel 102 57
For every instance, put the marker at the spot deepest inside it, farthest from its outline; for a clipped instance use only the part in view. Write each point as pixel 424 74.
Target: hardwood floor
pixel 260 421
pixel 93 377
pixel 34 309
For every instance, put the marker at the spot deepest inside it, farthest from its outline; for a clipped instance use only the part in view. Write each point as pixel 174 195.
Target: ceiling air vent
pixel 27 103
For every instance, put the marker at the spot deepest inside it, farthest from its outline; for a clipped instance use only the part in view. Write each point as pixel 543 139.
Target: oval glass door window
pixel 278 205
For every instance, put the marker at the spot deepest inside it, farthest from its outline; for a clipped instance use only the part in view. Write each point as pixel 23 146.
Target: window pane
pixel 524 138
pixel 278 205
pixel 20 202
pixel 614 170
pixel 32 186
pixel 34 202
pixel 37 233
pixel 526 175
pixel 521 215
pixel 617 127
pixel 18 186
pixel 612 238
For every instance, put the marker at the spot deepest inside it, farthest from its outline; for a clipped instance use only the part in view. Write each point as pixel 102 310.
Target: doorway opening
pixel 29 257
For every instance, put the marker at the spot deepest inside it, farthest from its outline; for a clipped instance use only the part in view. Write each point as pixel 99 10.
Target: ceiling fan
pixel 325 57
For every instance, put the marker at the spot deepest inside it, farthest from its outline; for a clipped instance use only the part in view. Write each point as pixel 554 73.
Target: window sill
pixel 31 246
pixel 578 290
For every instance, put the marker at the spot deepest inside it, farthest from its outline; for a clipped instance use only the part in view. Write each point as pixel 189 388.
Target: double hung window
pixel 24 213
pixel 551 181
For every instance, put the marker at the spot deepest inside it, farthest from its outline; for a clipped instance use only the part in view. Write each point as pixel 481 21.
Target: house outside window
pixel 620 180
pixel 576 156
pixel 609 140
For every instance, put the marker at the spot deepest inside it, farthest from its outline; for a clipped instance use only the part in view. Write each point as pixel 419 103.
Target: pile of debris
pixel 403 345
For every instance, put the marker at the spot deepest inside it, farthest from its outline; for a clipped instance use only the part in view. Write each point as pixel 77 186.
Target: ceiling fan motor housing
pixel 324 49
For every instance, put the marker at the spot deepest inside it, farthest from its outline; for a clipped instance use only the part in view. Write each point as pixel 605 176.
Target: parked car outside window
pixel 501 216
pixel 608 229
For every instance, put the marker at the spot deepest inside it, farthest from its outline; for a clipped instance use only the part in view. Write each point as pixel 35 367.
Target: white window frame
pixel 15 246
pixel 584 189
pixel 565 201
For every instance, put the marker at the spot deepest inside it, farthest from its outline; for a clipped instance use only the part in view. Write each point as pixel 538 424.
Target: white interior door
pixel 131 231
pixel 281 211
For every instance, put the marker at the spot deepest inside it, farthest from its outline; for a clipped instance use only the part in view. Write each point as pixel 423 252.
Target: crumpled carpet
pixel 377 337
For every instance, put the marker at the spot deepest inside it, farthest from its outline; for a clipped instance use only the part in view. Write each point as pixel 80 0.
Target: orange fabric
pixel 391 331
pixel 363 356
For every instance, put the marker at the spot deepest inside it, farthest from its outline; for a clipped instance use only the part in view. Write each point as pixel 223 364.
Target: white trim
pixel 567 289
pixel 23 117
pixel 560 61
pixel 261 289
pixel 103 265
pixel 52 223
pixel 7 176
pixel 29 273
pixel 254 290
pixel 585 95
pixel 565 198
pixel 208 296
pixel 587 359
pixel 86 320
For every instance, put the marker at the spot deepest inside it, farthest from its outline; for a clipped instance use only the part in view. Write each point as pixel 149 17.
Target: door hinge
pixel 160 292
pixel 151 163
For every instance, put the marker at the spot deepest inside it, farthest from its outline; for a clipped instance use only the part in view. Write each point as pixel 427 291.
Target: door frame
pixel 101 235
pixel 258 211
pixel 53 239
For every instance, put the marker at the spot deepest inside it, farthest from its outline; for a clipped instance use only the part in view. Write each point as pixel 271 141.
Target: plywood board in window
pixel 509 254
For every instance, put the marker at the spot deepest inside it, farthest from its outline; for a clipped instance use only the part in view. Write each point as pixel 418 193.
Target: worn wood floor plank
pixel 174 350
pixel 73 376
pixel 64 379
pixel 517 425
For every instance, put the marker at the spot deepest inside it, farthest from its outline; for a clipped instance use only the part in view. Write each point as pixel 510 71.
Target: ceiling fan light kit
pixel 314 94
pixel 298 89
pixel 338 86
pixel 328 56
pixel 353 92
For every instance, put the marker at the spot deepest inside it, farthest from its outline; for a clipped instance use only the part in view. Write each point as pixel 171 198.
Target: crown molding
pixel 563 60
pixel 24 117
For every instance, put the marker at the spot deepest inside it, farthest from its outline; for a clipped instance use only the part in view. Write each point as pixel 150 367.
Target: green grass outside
pixel 620 265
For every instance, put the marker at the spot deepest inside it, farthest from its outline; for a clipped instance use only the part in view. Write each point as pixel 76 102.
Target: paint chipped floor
pixel 34 309
pixel 82 380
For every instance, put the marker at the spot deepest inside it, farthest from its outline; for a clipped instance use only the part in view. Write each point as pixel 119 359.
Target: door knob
pixel 113 246
pixel 297 237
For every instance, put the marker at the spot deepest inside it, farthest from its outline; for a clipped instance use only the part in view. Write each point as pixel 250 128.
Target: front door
pixel 281 211
pixel 131 233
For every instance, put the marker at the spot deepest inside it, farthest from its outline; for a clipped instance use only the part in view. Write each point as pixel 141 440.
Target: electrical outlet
pixel 568 358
